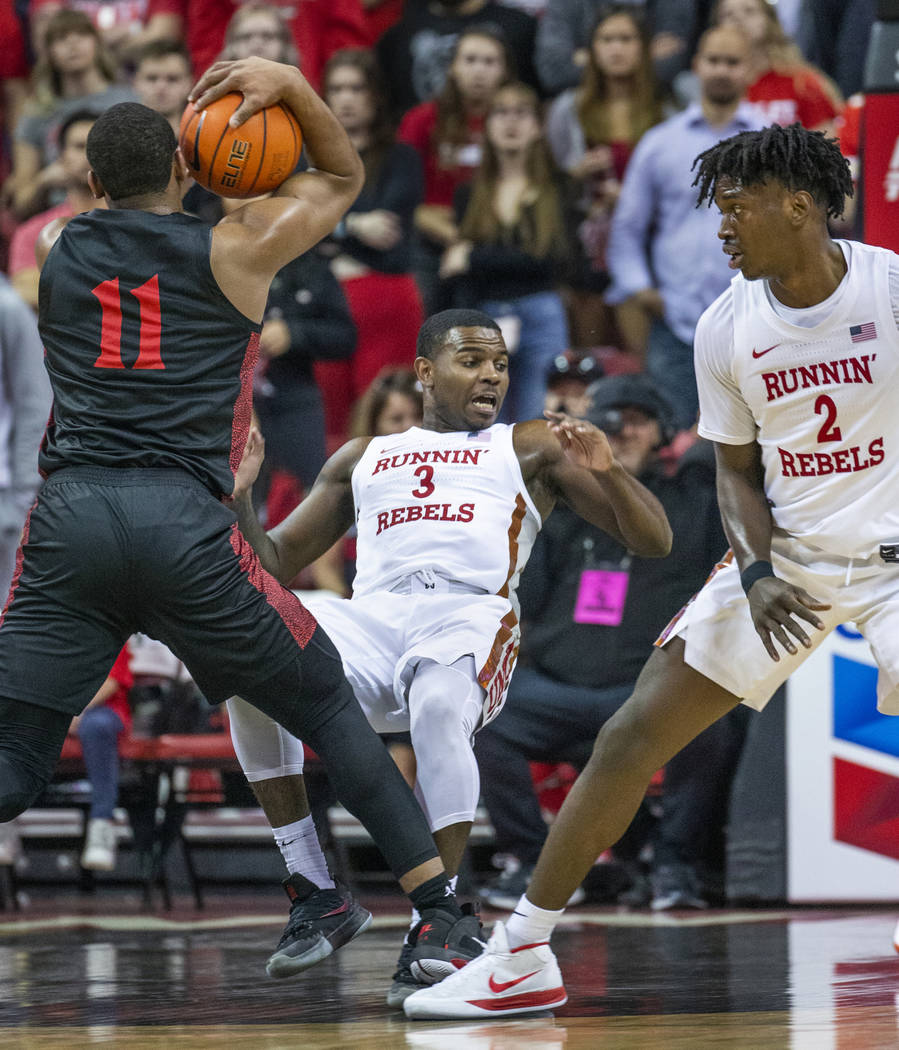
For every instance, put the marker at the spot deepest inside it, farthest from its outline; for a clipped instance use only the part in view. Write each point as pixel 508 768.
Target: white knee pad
pixel 264 749
pixel 444 708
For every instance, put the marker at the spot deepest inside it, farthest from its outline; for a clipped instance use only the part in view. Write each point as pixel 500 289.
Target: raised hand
pixel 583 443
pixel 261 82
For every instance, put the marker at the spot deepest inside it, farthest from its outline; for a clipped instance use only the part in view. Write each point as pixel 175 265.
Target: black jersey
pixel 151 366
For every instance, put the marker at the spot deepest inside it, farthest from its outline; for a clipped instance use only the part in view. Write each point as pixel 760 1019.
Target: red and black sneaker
pixel 320 922
pixel 443 943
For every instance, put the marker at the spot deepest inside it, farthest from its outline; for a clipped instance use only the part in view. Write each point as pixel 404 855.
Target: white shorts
pixel 383 637
pixel 722 643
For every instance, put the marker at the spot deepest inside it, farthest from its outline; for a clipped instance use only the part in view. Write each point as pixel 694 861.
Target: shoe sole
pixel 527 1003
pixel 282 964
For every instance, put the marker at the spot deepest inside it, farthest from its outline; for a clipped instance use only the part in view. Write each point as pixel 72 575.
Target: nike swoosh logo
pixel 500 986
pixel 761 353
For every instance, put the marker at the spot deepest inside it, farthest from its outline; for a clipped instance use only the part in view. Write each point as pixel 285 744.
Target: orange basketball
pixel 240 162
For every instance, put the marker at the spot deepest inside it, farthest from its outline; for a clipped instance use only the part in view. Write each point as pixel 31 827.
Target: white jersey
pixel 816 389
pixel 453 504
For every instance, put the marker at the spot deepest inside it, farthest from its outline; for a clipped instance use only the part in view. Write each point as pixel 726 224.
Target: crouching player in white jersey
pixel 446 515
pixel 797 366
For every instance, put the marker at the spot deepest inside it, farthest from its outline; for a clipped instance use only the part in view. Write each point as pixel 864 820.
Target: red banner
pixel 880 170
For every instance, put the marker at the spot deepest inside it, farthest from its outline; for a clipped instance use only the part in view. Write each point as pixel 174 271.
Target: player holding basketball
pixel 151 326
pixel 446 516
pixel 798 364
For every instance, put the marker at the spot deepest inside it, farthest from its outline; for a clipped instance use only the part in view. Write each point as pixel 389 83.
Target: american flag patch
pixel 861 333
pixel 478 435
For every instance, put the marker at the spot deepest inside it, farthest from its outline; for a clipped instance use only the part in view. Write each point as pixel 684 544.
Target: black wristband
pixel 756 571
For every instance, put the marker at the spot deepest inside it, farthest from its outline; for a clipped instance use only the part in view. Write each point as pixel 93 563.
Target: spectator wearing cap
pixel 567 381
pixel 590 614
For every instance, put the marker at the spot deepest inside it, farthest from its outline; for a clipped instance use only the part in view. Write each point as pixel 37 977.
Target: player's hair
pixel 793 156
pixel 130 149
pixel 432 334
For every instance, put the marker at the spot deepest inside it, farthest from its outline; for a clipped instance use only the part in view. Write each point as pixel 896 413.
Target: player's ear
pixel 180 167
pixel 802 204
pixel 96 187
pixel 424 370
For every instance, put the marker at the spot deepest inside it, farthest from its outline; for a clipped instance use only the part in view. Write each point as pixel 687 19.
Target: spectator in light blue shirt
pixel 663 256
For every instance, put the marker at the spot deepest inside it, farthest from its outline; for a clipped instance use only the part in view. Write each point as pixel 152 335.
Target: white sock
pixel 452 882
pixel 302 852
pixel 529 924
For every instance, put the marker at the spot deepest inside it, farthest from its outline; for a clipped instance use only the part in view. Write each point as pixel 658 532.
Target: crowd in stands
pixel 531 158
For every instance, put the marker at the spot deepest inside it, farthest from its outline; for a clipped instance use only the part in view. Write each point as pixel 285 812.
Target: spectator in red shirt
pixel 786 88
pixel 98 728
pixel 448 133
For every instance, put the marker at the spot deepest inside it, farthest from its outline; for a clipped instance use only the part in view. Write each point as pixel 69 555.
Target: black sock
pixel 435 893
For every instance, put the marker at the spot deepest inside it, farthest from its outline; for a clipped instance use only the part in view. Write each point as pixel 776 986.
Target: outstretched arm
pixel 746 516
pixel 574 462
pixel 314 526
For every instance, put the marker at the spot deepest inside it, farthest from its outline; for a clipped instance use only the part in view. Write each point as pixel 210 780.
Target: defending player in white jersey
pixel 797 367
pixel 446 515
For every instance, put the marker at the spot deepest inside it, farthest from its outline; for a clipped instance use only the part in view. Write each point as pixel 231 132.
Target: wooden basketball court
pixel 97 971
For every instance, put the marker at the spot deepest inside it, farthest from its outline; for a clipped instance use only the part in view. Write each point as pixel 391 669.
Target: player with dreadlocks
pixel 797 364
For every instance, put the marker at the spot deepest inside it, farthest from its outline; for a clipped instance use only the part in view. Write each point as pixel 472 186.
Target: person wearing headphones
pixel 593 613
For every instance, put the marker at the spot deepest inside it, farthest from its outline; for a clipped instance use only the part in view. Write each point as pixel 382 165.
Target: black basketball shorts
pixel 107 553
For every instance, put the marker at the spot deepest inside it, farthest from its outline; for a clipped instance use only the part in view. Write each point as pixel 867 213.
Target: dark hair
pixel 78 116
pixel 540 224
pixel 130 149
pixel 593 97
pixel 402 381
pixel 452 121
pixel 793 156
pixel 380 133
pixel 155 49
pixel 46 81
pixel 432 334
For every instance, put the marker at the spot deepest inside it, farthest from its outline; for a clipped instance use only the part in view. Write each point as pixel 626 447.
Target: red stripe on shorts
pixel 297 618
pixel 20 558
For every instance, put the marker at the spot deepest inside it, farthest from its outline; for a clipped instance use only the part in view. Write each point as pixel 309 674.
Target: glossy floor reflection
pixel 101 973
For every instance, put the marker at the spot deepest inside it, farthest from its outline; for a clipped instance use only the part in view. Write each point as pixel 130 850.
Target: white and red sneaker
pixel 501 981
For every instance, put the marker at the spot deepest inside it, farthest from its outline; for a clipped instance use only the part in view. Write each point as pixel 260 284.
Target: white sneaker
pixel 501 981
pixel 10 844
pixel 99 845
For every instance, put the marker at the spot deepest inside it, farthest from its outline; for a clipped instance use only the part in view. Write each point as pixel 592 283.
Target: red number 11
pixel 111 328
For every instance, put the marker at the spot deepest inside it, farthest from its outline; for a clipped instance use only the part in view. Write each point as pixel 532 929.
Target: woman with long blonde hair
pixel 513 246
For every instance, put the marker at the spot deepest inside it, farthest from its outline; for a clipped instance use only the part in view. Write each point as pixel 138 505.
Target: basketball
pixel 240 162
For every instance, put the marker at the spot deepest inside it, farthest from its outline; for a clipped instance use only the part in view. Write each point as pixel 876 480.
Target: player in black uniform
pixel 151 326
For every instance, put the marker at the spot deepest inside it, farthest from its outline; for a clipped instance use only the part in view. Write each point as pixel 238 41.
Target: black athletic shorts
pixel 107 552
